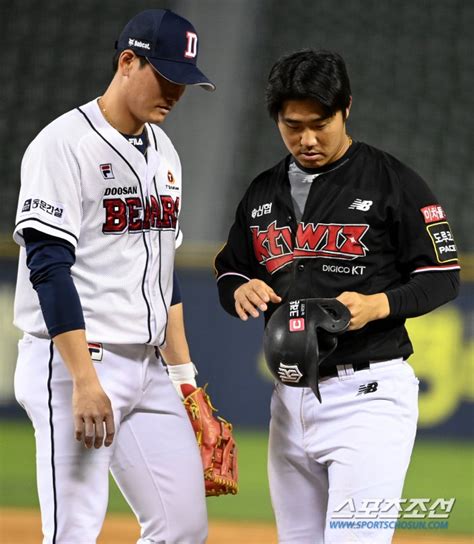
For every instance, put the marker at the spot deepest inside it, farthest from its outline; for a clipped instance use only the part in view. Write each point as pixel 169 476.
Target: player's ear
pixel 348 109
pixel 125 61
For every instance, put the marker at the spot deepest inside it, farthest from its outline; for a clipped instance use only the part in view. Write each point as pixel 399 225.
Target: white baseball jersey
pixel 82 181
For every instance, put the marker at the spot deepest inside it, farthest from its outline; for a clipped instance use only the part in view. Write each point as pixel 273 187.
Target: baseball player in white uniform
pixel 98 224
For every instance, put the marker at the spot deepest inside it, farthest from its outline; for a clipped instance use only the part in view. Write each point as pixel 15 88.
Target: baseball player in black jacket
pixel 338 218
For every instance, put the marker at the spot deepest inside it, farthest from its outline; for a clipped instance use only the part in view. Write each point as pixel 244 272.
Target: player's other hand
pixel 364 308
pixel 93 415
pixel 252 297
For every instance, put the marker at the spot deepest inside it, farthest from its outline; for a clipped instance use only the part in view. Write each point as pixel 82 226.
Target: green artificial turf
pixel 438 469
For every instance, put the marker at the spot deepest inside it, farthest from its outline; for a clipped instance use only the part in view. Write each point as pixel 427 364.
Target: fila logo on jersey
pixel 131 215
pixel 106 170
pixel 264 209
pixel 191 45
pixel 274 249
pixel 289 373
pixel 368 388
pixel 132 42
pixel 361 205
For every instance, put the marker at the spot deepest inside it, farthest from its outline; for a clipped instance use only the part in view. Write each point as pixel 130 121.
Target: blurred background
pixel 412 73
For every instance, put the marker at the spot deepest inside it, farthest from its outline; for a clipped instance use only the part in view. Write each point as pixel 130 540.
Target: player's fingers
pixel 273 296
pixel 109 430
pixel 255 299
pixel 240 311
pixel 78 428
pixel 248 307
pixel 99 432
pixel 88 431
pixel 266 294
pixel 262 291
pixel 348 298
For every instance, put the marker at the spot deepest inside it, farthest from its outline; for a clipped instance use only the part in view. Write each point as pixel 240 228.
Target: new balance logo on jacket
pixel 361 205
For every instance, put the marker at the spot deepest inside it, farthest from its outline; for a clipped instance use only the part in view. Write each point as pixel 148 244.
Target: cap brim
pixel 181 73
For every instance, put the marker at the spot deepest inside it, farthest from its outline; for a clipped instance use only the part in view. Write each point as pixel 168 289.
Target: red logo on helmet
pixel 297 324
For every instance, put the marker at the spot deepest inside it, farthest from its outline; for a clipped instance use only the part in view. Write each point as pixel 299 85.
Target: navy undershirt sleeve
pixel 49 260
pixel 176 296
pixel 424 292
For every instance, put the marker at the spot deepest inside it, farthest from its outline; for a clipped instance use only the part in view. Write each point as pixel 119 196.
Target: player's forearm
pixel 72 346
pixel 176 350
pixel 423 293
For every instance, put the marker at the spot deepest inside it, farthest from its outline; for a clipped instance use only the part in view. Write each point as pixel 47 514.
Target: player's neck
pixel 345 144
pixel 117 114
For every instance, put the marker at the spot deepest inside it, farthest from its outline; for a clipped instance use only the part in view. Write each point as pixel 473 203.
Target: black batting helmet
pixel 300 335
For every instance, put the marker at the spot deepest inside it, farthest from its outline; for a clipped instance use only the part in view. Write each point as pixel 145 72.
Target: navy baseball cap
pixel 169 43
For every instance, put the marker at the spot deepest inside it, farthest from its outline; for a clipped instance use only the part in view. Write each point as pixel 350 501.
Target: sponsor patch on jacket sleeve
pixel 443 242
pixel 37 206
pixel 433 213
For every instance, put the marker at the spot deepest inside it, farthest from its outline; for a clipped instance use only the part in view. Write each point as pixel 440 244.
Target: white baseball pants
pixel 356 446
pixel 154 457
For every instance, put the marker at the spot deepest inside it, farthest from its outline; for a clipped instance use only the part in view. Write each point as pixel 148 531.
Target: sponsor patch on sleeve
pixel 37 206
pixel 443 242
pixel 433 213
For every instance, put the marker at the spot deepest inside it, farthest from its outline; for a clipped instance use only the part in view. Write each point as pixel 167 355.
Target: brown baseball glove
pixel 215 440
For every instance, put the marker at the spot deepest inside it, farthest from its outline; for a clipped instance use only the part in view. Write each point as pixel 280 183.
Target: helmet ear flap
pixel 332 315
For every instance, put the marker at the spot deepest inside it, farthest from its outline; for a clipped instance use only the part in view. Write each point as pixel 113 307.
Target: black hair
pixel 116 56
pixel 309 74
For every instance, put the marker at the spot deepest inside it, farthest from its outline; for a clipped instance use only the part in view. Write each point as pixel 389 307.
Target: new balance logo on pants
pixel 368 388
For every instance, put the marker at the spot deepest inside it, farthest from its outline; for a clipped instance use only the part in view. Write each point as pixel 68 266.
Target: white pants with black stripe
pixel 354 447
pixel 154 457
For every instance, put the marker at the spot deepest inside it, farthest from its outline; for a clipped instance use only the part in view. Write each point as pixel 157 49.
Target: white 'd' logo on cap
pixel 289 373
pixel 191 47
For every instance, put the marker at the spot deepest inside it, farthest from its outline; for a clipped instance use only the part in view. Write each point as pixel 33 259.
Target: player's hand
pixel 92 411
pixel 252 297
pixel 364 308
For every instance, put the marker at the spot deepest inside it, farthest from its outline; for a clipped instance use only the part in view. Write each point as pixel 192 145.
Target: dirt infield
pixel 23 527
